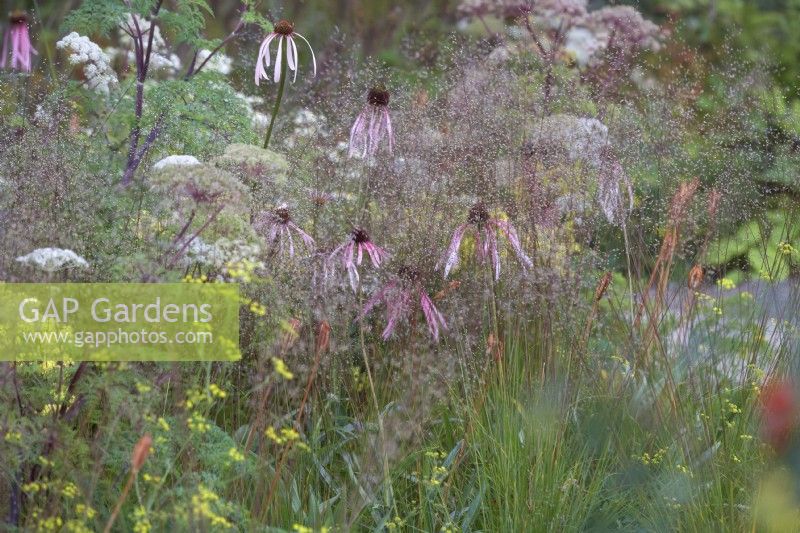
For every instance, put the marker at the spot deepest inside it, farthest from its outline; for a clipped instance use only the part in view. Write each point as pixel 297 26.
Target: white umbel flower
pixel 100 77
pixel 176 161
pixel 53 259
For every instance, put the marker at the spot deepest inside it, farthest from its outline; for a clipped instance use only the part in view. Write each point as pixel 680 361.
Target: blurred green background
pixel 721 31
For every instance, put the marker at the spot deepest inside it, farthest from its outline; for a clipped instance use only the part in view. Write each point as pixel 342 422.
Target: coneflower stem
pixel 278 98
pixel 390 501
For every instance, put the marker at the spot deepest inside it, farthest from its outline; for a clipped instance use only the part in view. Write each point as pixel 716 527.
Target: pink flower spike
pixel 17 42
pixel 284 32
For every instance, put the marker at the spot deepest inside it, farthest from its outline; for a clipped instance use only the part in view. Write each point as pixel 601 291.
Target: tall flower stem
pixel 390 501
pixel 278 98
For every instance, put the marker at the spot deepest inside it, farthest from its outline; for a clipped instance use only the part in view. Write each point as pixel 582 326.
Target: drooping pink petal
pixel 291 241
pixel 6 38
pixel 433 317
pixel 372 145
pixel 263 60
pixel 395 309
pixel 278 61
pixel 291 56
pixel 307 239
pixel 352 273
pixel 313 57
pixel 358 140
pixel 451 257
pixel 513 238
pixel 376 253
pixel 388 124
pixel 347 257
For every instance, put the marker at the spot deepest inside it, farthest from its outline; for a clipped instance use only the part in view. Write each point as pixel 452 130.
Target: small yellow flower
pixel 198 423
pixel 69 491
pixel 143 388
pixel 235 455
pixel 257 309
pixel 217 392
pixel 162 423
pixel 13 436
pixel 282 369
pixel 726 283
pixel 785 248
pixel 85 510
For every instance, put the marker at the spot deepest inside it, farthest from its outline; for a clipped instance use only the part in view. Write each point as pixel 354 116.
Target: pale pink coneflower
pixel 372 125
pixel 486 229
pixel 278 227
pixel 284 32
pixel 401 295
pixel 17 40
pixel 352 254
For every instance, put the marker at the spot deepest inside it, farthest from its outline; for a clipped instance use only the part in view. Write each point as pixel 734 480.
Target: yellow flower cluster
pixel 726 283
pixel 281 369
pixel 235 455
pixel 141 524
pixel 654 459
pixel 241 270
pixel 162 424
pixel 395 523
pixel 216 392
pixel 198 423
pixel 196 397
pixel 143 388
pixel 202 505
pixel 300 528
pixel 13 437
pixel 257 309
pixel 69 490
pixel 191 279
pixel 786 248
pixel 285 436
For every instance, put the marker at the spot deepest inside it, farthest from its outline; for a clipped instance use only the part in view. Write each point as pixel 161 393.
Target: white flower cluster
pixel 53 259
pixel 576 138
pixel 160 56
pixel 96 63
pixel 582 45
pixel 176 161
pixel 260 120
pixel 585 140
pixel 218 63
pixel 222 253
pixel 307 124
pixel 586 34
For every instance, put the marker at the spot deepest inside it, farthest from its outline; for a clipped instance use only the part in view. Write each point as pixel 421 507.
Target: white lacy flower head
pixel 53 259
pixel 100 77
pixel 160 56
pixel 581 44
pixel 576 138
pixel 259 120
pixel 219 62
pixel 557 14
pixel 176 161
pixel 307 124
